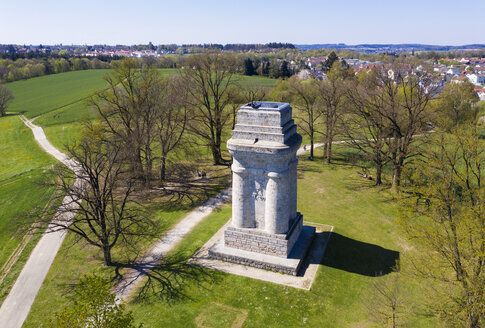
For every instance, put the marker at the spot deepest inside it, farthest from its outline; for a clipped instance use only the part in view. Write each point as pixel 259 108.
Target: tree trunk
pixel 311 146
pixel 328 159
pixel 162 169
pixel 216 150
pixel 107 256
pixel 378 174
pixel 216 155
pixel 396 177
pixel 325 146
pixel 136 165
pixel 378 162
pixel 148 171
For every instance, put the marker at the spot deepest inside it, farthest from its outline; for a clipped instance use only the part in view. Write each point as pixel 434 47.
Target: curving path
pixel 167 243
pixel 17 305
pixel 172 238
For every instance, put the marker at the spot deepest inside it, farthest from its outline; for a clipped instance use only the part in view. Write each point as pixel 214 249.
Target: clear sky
pixel 242 21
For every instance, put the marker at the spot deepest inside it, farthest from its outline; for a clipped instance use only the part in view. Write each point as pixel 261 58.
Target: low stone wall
pixel 254 263
pixel 261 242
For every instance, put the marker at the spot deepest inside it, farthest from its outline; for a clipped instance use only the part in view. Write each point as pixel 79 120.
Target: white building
pixel 453 71
pixel 477 79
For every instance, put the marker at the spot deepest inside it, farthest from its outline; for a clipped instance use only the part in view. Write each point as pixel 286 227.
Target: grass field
pixel 59 100
pixel 365 241
pixel 37 96
pixel 23 164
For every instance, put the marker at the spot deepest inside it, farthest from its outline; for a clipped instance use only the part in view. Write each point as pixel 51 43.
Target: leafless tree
pixel 364 126
pixel 208 78
pixel 389 110
pixel 406 108
pixel 385 302
pixel 146 113
pixel 305 99
pixel 333 98
pixel 171 119
pixel 119 107
pixel 98 208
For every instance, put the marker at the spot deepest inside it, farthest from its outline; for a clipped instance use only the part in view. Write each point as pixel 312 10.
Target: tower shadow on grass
pixel 355 256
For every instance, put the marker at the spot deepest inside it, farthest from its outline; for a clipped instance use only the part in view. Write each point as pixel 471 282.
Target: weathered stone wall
pixel 261 242
pixel 254 263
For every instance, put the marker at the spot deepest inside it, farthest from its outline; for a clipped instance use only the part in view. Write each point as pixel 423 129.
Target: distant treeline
pixel 25 67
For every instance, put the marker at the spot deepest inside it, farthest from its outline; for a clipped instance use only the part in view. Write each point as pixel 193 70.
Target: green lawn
pixel 59 100
pixel 364 241
pixel 40 95
pixel 23 164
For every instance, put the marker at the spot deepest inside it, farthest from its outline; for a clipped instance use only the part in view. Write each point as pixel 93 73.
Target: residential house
pixel 477 79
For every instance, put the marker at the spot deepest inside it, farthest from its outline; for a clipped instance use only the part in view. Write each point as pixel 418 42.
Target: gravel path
pixel 172 238
pixel 17 305
pixel 167 243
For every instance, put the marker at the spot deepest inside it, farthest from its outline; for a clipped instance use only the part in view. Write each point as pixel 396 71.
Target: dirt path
pixel 17 305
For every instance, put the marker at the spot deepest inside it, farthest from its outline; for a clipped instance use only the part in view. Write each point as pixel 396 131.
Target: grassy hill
pixel 59 100
pixel 40 95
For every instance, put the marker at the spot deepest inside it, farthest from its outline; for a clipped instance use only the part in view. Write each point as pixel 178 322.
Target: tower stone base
pixel 262 242
pixel 279 261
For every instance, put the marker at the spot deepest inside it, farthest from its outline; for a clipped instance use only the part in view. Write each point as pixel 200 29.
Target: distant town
pixel 454 63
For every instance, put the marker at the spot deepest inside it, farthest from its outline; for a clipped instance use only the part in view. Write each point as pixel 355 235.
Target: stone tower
pixel 266 229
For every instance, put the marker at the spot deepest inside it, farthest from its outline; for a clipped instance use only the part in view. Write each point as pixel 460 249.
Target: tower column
pixel 293 188
pixel 276 214
pixel 240 197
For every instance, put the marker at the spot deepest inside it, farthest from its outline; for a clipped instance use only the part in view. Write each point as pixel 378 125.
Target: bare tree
pixel 98 208
pixel 6 96
pixel 385 302
pixel 366 129
pixel 305 99
pixel 119 108
pixel 332 96
pixel 390 109
pixel 406 107
pixel 171 119
pixel 208 78
pixel 140 110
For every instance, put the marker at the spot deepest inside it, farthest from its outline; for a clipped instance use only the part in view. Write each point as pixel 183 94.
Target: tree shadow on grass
pixel 355 256
pixel 165 280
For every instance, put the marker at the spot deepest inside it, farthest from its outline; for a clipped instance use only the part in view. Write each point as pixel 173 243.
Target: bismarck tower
pixel 266 230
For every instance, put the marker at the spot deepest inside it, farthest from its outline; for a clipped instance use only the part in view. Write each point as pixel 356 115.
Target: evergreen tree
pixel 284 70
pixel 274 70
pixel 330 60
pixel 248 67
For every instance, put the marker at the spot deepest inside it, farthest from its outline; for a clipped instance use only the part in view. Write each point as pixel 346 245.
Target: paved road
pixel 17 305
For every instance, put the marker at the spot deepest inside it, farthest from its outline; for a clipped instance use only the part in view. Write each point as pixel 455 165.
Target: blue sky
pixel 250 21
